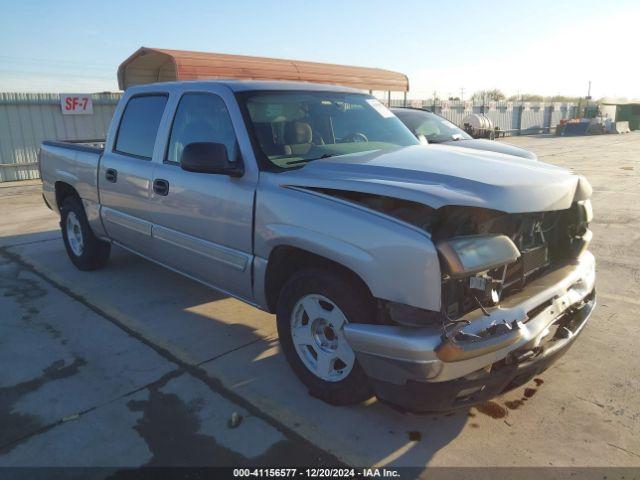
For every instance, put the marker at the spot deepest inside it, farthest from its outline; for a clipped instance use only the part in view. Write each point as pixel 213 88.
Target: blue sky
pixel 544 46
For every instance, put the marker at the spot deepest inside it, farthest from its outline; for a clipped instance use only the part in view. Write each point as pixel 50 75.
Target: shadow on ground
pixel 233 346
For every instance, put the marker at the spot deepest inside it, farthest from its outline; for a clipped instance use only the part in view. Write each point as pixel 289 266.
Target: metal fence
pixel 28 118
pixel 512 118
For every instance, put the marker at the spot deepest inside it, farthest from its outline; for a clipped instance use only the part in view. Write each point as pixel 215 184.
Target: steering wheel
pixel 356 137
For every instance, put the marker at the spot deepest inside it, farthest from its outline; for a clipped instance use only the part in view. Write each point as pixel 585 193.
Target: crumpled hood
pixel 437 175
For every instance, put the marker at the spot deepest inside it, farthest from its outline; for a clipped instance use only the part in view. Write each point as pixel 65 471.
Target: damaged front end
pixel 517 288
pixel 504 253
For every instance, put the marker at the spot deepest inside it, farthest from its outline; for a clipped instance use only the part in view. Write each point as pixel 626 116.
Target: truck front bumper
pixel 421 370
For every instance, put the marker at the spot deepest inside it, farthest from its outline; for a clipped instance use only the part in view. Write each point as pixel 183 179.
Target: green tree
pixel 526 97
pixel 492 95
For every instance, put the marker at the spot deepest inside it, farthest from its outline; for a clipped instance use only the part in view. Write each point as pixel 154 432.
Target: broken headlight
pixel 467 255
pixel 474 268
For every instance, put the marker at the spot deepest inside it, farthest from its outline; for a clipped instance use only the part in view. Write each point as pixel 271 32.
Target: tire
pixel 84 249
pixel 317 293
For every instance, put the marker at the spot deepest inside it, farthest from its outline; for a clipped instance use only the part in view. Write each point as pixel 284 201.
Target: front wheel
pixel 313 309
pixel 84 249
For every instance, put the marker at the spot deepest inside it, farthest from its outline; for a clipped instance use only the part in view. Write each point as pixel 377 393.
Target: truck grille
pixel 532 261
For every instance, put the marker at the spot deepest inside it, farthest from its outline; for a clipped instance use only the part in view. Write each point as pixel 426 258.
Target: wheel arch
pixel 64 190
pixel 285 260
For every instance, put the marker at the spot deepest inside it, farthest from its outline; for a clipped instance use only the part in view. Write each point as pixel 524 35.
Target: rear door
pixel 126 170
pixel 203 223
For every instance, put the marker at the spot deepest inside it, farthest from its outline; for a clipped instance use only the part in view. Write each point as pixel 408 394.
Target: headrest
pixel 297 132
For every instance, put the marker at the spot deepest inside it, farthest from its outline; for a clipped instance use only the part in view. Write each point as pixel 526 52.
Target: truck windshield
pixel 292 128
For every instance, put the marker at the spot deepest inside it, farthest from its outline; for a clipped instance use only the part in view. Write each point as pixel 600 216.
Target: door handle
pixel 161 187
pixel 111 175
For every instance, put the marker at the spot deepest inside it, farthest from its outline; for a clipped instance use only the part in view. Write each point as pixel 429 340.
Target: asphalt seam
pixel 162 379
pixel 623 449
pixel 44 428
pixel 214 384
pixel 32 242
pixel 239 347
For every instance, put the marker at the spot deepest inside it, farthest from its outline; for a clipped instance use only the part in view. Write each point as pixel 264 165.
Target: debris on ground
pixel 69 418
pixel 235 420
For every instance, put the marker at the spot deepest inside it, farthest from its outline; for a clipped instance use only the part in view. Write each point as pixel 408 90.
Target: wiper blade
pixel 325 155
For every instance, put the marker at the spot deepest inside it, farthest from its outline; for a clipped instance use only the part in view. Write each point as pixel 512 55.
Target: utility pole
pixel 462 94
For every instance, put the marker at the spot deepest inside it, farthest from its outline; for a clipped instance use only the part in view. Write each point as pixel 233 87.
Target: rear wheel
pixel 84 249
pixel 313 309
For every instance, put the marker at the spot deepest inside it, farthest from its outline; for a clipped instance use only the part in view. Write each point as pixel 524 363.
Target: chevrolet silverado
pixel 433 277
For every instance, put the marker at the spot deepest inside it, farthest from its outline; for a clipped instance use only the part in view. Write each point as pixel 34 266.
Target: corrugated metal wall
pixel 28 118
pixel 513 118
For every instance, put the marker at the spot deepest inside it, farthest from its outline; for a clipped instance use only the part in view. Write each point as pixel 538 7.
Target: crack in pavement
pixel 239 347
pixel 31 242
pixel 623 449
pixel 9 397
pixel 4 448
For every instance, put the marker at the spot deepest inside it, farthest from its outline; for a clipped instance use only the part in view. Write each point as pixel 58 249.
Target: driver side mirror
pixel 209 157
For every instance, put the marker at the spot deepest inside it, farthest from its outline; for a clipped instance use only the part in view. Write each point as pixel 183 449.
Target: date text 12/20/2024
pixel 316 472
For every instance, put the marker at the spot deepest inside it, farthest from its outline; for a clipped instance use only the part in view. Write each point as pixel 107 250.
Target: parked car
pixel 430 276
pixel 428 126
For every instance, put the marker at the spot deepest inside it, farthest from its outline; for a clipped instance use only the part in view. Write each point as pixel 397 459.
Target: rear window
pixel 139 125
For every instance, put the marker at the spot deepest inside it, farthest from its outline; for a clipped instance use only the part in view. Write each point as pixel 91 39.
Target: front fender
pixel 398 262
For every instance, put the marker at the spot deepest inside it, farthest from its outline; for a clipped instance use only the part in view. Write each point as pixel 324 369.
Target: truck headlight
pixel 464 256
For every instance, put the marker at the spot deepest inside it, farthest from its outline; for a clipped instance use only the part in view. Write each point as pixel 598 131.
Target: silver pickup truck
pixel 433 277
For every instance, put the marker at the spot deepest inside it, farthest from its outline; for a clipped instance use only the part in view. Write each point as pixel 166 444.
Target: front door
pixel 203 222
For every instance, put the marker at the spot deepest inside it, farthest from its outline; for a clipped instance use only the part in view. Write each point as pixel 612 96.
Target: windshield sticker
pixel 380 108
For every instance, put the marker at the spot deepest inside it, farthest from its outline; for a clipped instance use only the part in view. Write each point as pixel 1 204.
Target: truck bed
pixel 93 146
pixel 71 162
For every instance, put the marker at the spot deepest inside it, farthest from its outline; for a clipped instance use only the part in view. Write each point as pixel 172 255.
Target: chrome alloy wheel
pixel 74 234
pixel 318 337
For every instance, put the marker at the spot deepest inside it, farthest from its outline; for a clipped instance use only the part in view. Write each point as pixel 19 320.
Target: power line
pixel 54 62
pixel 54 74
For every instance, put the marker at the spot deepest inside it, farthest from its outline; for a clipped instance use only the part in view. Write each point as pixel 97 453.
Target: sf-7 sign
pixel 76 104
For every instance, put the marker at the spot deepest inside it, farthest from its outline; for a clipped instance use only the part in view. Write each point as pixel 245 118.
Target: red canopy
pixel 148 65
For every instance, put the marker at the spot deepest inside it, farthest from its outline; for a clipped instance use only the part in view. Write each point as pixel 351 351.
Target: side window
pixel 139 125
pixel 201 117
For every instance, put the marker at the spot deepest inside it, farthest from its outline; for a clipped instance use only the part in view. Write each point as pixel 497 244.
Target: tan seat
pixel 298 138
